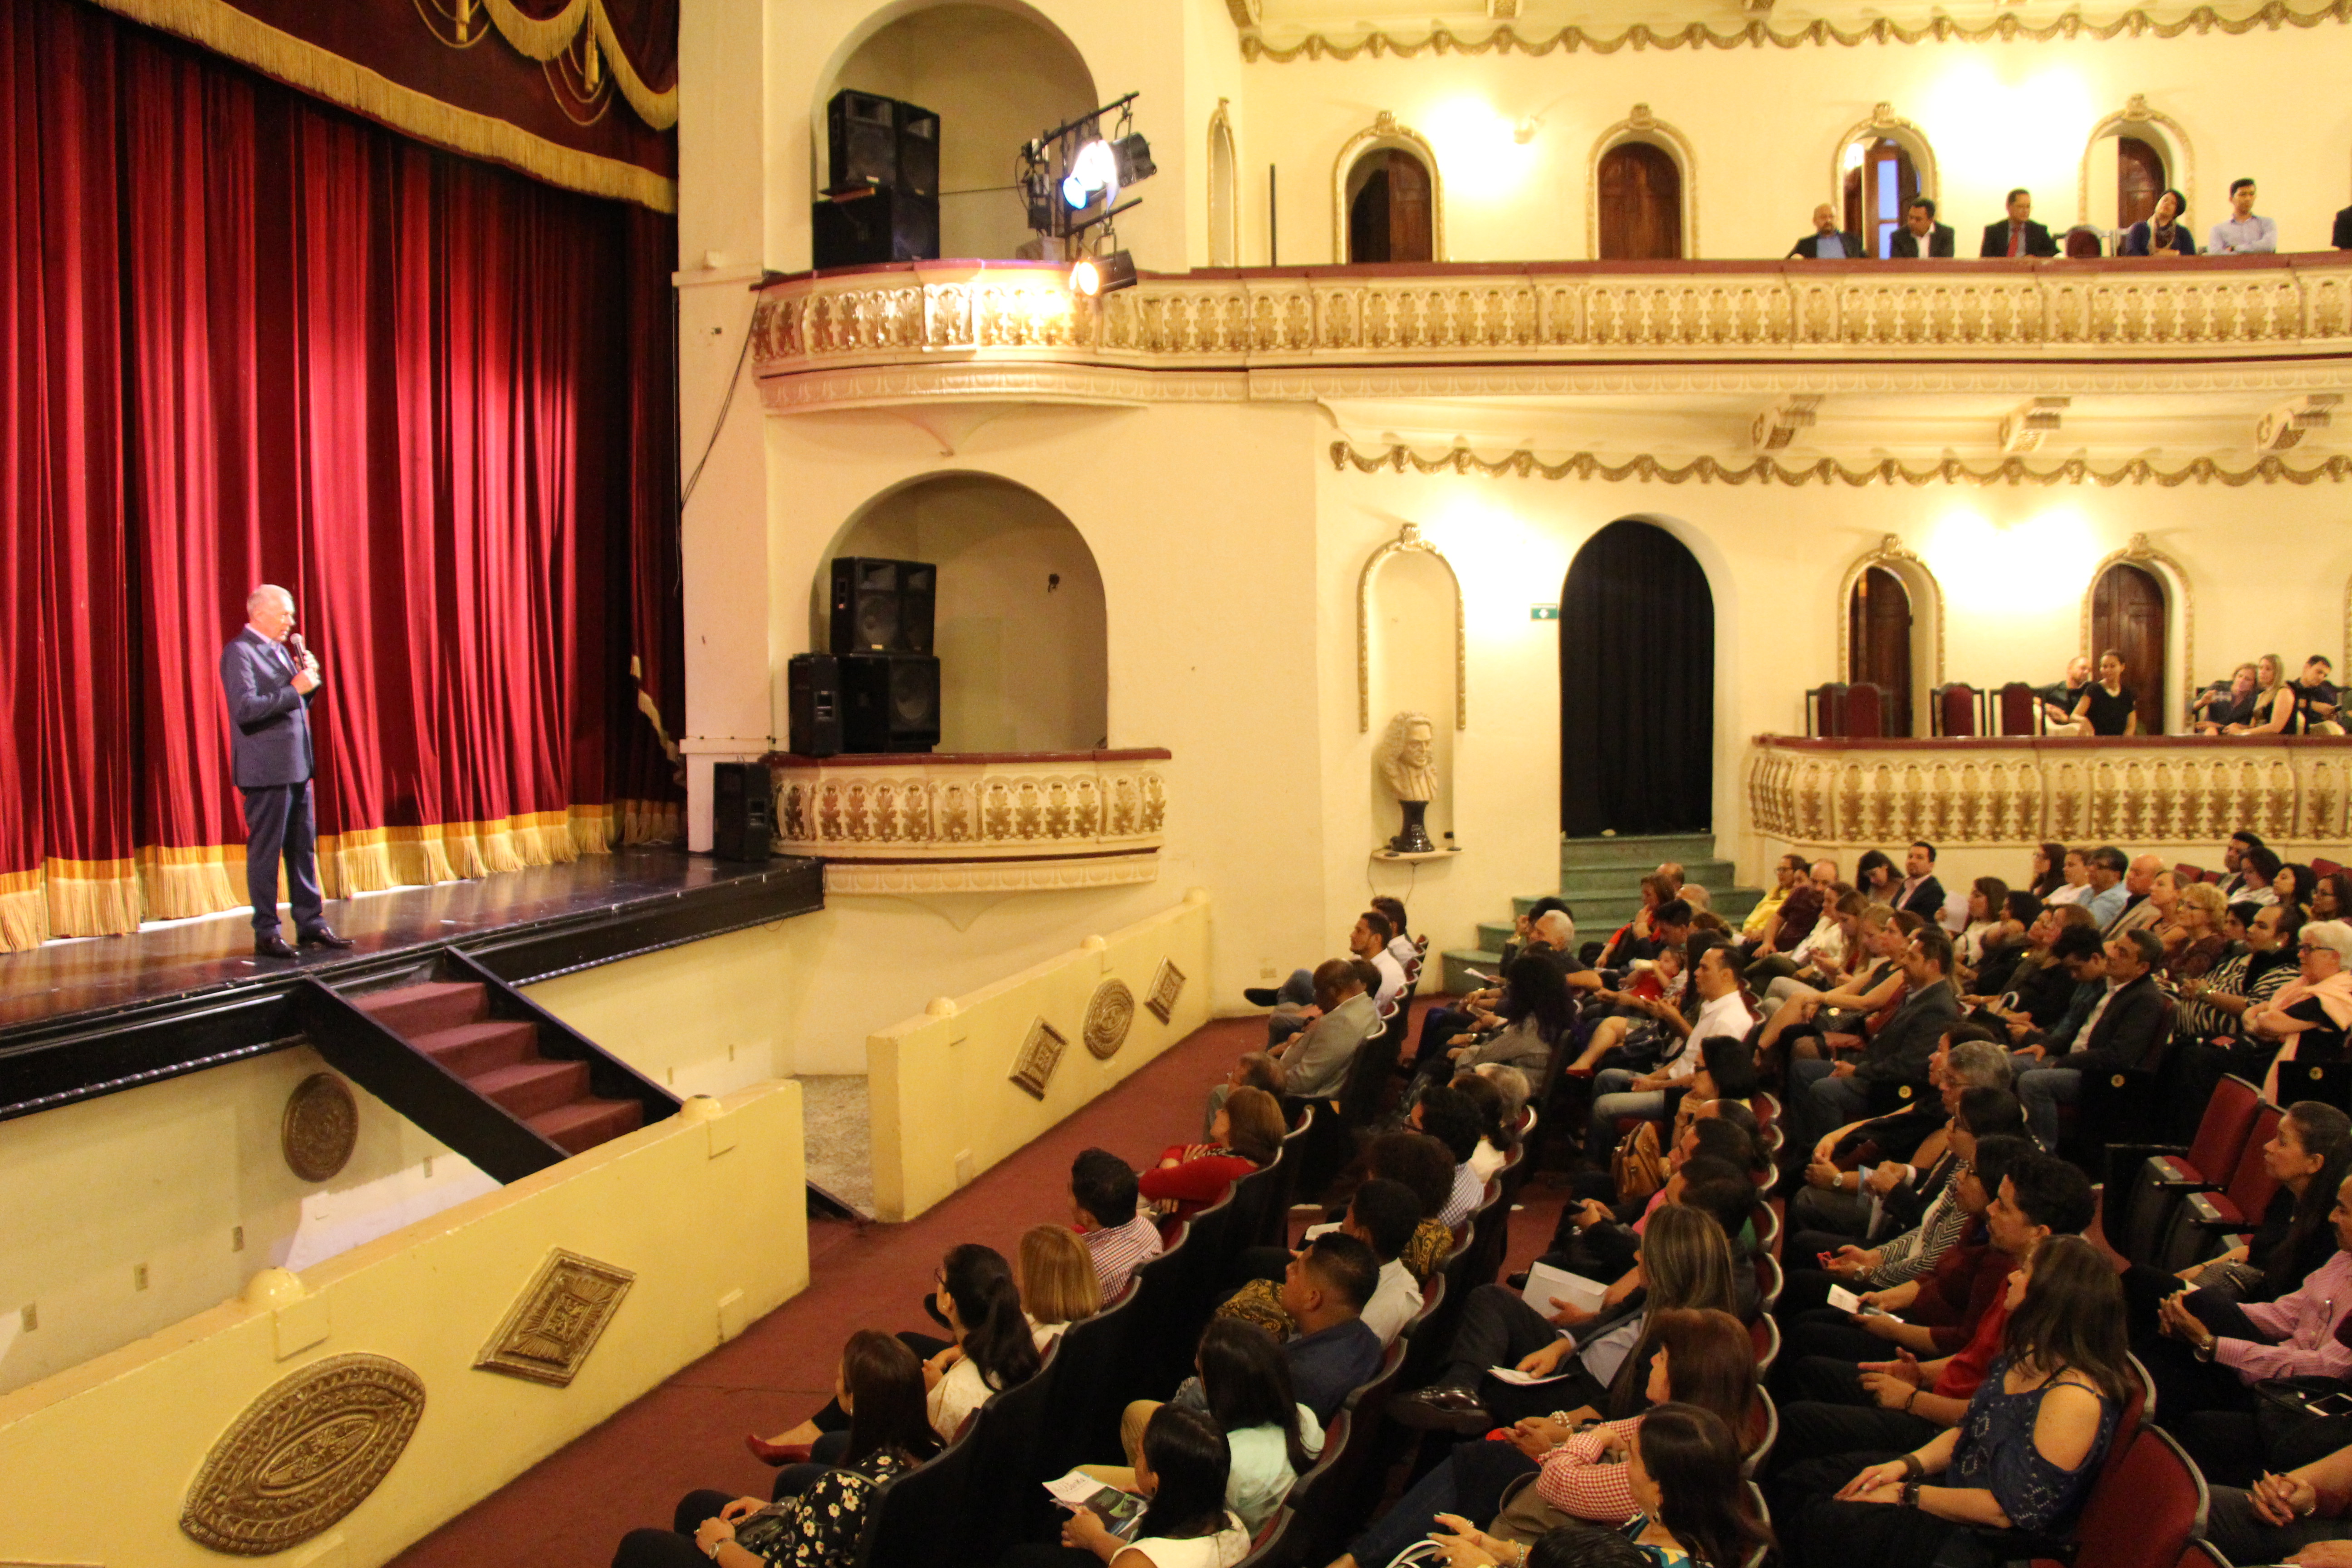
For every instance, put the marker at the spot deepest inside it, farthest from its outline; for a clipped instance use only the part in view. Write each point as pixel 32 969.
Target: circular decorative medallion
pixel 1108 1015
pixel 303 1455
pixel 321 1127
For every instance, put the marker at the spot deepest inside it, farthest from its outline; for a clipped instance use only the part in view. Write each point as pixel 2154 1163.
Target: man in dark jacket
pixel 1828 242
pixel 2018 234
pixel 1823 1095
pixel 2126 1032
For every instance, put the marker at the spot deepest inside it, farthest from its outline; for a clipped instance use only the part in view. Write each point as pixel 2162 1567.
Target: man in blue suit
pixel 269 687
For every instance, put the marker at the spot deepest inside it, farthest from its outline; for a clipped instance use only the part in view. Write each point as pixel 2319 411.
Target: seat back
pixel 1764 1334
pixel 2202 1555
pixel 1005 1499
pixel 1314 1502
pixel 1358 1481
pixel 1825 710
pixel 913 1519
pixel 2143 1510
pixel 2019 707
pixel 1761 1429
pixel 1490 1241
pixel 2222 1130
pixel 1763 1512
pixel 1956 709
pixel 2084 242
pixel 1255 1207
pixel 1448 1288
pixel 1271 1548
pixel 2250 1185
pixel 1369 1070
pixel 1768 1280
pixel 1767 1226
pixel 2329 1082
pixel 1866 712
pixel 1162 1323
pixel 1087 1389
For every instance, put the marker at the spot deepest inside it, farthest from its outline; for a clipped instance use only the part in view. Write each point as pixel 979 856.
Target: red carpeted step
pixel 528 1088
pixel 470 1050
pixel 584 1123
pixel 413 1010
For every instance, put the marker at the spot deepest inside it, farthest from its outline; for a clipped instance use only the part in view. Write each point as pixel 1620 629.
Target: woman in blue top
pixel 2034 1440
pixel 2162 231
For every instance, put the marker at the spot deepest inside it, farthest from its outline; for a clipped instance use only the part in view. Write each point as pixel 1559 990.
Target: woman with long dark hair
pixel 994 1347
pixel 1182 1470
pixel 818 1509
pixel 1876 878
pixel 2049 870
pixel 1534 1011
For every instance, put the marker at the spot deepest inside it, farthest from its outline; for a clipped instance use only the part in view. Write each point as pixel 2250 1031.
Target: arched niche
pixel 1646 130
pixel 1367 154
pixel 1883 162
pixel 1020 631
pixel 1639 691
pixel 1225 191
pixel 1926 607
pixel 996 75
pixel 2179 626
pixel 2097 192
pixel 1410 659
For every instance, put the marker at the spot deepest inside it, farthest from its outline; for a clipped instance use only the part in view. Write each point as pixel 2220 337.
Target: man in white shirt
pixel 1384 1215
pixel 2242 233
pixel 1723 1010
pixel 1294 1002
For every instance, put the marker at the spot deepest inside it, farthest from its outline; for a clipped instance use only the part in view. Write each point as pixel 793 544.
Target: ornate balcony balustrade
pixel 975 822
pixel 1858 794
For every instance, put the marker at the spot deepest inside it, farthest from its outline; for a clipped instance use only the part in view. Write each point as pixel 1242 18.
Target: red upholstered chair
pixel 2084 243
pixel 2326 867
pixel 2019 708
pixel 2145 1509
pixel 1825 710
pixel 2146 1181
pixel 2202 1219
pixel 2202 1555
pixel 1865 709
pixel 1959 710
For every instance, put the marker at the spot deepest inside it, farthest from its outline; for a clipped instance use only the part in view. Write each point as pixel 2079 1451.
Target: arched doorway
pixel 1878 642
pixel 1880 186
pixel 2130 615
pixel 2140 180
pixel 1390 217
pixel 1636 687
pixel 1641 191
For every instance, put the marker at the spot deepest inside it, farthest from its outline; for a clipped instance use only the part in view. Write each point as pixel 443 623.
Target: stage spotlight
pixel 1093 172
pixel 1131 158
pixel 1108 274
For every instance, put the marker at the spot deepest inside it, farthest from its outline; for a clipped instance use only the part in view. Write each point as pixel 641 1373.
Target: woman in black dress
pixel 2107 706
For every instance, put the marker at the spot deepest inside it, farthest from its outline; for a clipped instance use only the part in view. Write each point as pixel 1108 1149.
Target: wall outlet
pixel 963 1167
pixel 138 1277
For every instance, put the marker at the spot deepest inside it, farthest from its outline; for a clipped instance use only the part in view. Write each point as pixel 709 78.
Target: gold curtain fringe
pixel 651 821
pixel 176 883
pixel 226 30
pixel 1525 464
pixel 24 912
pixel 2004 29
pixel 91 898
pixel 543 38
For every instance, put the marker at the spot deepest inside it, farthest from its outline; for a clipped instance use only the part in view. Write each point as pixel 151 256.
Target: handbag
pixel 1639 1166
pixel 1526 1517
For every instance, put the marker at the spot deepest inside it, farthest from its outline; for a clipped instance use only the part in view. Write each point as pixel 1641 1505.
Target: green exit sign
pixel 1543 612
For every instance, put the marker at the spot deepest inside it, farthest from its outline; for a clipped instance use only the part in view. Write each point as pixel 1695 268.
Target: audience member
pixel 2018 234
pixel 1723 1010
pixel 2294 883
pixel 2106 867
pixel 1057 1281
pixel 2242 233
pixel 2138 913
pixel 1325 1290
pixel 2239 883
pixel 1182 1466
pixel 1315 1062
pixel 1899 1162
pixel 1244 1135
pixel 1402 947
pixel 2276 709
pixel 1921 236
pixel 2164 232
pixel 2106 709
pixel 2318 694
pixel 1825 1094
pixel 2194 942
pixel 1920 893
pixel 995 1349
pixel 1497 1137
pixel 1828 242
pixel 2310 1013
pixel 2049 870
pixel 2059 701
pixel 1988 920
pixel 1257 1070
pixel 2304 1515
pixel 1103 1196
pixel 2221 705
pixel 2214 1010
pixel 1446 1115
pixel 2124 1032
pixel 1788 872
pixel 1532 1016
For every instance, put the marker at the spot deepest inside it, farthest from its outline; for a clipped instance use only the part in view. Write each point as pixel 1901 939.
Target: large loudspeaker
pixel 885 226
pixel 813 685
pixel 889 702
pixel 863 132
pixel 741 823
pixel 919 152
pixel 882 606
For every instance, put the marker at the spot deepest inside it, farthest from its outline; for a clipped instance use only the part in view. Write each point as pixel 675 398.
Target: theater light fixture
pixel 1107 274
pixel 1093 173
pixel 1071 176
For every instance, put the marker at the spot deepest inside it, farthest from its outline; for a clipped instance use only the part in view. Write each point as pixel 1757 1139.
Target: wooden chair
pixel 2018 705
pixel 1957 709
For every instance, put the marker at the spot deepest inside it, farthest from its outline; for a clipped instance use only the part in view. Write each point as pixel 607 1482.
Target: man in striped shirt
pixel 1102 1211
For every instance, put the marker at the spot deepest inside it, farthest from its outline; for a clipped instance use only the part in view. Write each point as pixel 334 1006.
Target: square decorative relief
pixel 1165 986
pixel 556 1321
pixel 1040 1054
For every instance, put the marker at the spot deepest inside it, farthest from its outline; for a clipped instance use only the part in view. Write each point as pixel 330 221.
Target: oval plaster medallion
pixel 321 1128
pixel 1110 1015
pixel 303 1455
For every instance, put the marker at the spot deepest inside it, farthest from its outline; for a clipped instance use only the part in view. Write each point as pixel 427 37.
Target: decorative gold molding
pixel 1111 1012
pixel 848 878
pixel 226 30
pixel 2135 113
pixel 1221 126
pixel 2139 552
pixel 305 1453
pixel 1041 1053
pixel 320 1128
pixel 542 39
pixel 2004 29
pixel 1408 539
pixel 1883 121
pixel 1645 127
pixel 1167 985
pixel 1891 553
pixel 1386 131
pixel 557 1320
pixel 1765 470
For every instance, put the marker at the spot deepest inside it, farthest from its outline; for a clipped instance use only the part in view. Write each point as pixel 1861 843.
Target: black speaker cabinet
pixel 813 685
pixel 863 131
pixel 919 152
pixel 741 824
pixel 882 606
pixel 883 225
pixel 889 702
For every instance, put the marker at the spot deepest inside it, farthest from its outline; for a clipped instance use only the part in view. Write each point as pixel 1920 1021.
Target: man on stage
pixel 269 687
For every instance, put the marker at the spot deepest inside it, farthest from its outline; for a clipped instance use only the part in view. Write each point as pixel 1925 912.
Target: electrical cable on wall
pixel 725 404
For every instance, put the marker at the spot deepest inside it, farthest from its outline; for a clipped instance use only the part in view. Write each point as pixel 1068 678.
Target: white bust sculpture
pixel 1408 757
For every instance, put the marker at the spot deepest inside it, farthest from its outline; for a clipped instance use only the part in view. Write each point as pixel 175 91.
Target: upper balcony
pixel 1013 329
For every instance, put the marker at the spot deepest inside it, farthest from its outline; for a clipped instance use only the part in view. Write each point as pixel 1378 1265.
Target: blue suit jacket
pixel 269 738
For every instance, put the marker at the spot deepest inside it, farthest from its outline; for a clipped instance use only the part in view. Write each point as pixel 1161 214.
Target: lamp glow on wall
pixel 1483 150
pixel 2026 566
pixel 1992 133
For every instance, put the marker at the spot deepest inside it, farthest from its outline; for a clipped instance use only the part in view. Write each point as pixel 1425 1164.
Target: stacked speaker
pixel 878 690
pixel 882 203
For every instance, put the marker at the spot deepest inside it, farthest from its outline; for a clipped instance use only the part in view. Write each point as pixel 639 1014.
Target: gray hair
pixel 1980 1064
pixel 1554 923
pixel 1508 1082
pixel 2335 936
pixel 263 593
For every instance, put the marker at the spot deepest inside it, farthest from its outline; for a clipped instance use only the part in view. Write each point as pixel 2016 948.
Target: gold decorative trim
pixel 1041 1053
pixel 320 1128
pixel 1645 127
pixel 1891 553
pixel 303 1455
pixel 1408 539
pixel 543 39
pixel 1167 985
pixel 844 878
pixel 548 1332
pixel 226 30
pixel 1525 464
pixel 1221 125
pixel 1111 1012
pixel 2005 29
pixel 2135 111
pixel 1385 131
pixel 1883 121
pixel 2139 552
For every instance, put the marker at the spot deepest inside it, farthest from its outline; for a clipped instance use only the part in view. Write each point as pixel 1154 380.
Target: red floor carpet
pixel 570 1509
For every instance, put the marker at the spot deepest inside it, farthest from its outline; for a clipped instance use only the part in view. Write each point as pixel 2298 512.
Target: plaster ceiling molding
pixel 1884 122
pixel 1777 425
pixel 1386 131
pixel 2283 427
pixel 1308 384
pixel 1642 125
pixel 2026 429
pixel 2136 118
pixel 2174 577
pixel 1408 539
pixel 1245 12
pixel 1891 554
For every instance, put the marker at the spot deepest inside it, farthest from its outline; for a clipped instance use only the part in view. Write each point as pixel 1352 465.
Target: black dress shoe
pixel 273 947
pixel 1442 1410
pixel 1261 996
pixel 323 937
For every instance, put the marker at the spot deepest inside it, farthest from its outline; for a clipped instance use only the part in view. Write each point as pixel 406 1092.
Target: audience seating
pixel 1165 1317
pixel 2202 1219
pixel 1763 1430
pixel 1090 1391
pixel 1314 1500
pixel 1957 709
pixel 1854 711
pixel 1006 1498
pixel 2329 1082
pixel 915 1519
pixel 1766 1224
pixel 2084 243
pixel 2018 706
pixel 1356 1481
pixel 1442 1302
pixel 1762 1554
pixel 1490 1234
pixel 2147 1181
pixel 1768 1282
pixel 1764 1334
pixel 1271 1547
pixel 2202 1555
pixel 2144 1510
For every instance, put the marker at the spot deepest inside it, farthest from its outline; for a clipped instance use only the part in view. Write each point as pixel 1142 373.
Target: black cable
pixel 725 404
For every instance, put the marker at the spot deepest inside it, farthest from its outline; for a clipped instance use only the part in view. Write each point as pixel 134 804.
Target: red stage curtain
pixel 252 338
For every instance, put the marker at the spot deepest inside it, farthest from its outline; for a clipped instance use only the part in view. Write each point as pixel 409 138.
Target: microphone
pixel 294 642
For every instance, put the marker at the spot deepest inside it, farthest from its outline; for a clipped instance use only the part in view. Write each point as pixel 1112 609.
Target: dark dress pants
pixel 674 1547
pixel 1497 1328
pixel 1818 1531
pixel 279 827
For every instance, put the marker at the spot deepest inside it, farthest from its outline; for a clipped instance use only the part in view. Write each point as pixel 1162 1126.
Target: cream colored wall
pixel 95 1462
pixel 944 1106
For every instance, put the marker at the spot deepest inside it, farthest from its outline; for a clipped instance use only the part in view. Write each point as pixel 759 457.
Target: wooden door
pixel 2140 180
pixel 2127 614
pixel 1641 205
pixel 1412 220
pixel 1878 193
pixel 1878 642
pixel 1368 211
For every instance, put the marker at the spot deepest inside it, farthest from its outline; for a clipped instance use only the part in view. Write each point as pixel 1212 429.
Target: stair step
pixel 1629 850
pixel 413 1010
pixel 469 1050
pixel 528 1088
pixel 1457 960
pixel 584 1123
